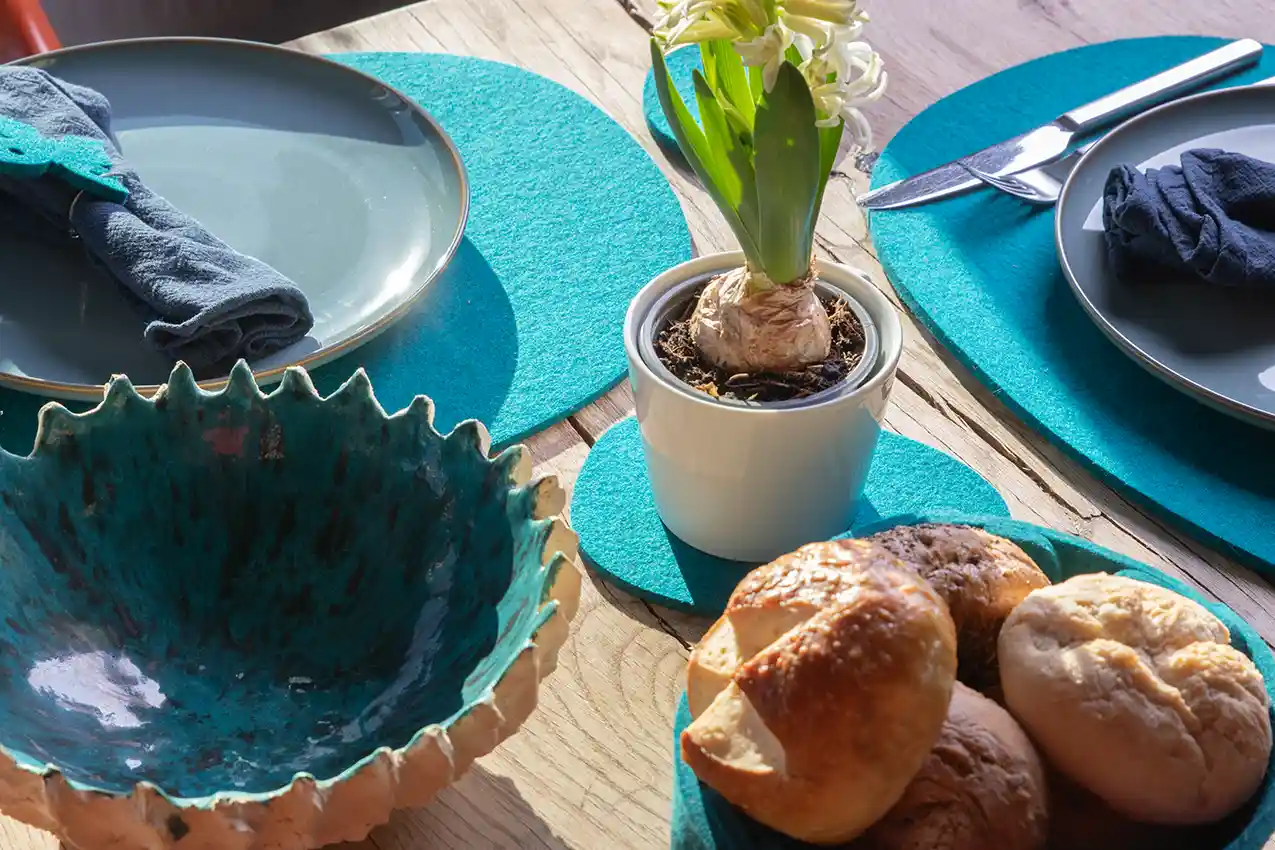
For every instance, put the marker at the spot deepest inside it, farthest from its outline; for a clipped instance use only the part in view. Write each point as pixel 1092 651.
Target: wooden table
pixel 592 768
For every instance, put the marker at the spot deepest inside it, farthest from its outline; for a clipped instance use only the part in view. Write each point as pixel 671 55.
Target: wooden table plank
pixel 592 768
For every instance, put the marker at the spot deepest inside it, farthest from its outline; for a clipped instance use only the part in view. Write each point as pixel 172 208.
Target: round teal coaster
pixel 569 218
pixel 981 272
pixel 703 820
pixel 622 537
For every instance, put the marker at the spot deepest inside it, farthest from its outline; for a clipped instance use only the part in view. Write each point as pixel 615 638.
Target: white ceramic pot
pixel 752 482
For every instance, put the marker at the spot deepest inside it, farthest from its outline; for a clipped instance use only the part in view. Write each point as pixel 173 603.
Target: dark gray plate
pixel 1216 344
pixel 339 182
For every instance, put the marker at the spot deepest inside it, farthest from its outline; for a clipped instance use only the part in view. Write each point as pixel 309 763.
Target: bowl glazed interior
pixel 214 593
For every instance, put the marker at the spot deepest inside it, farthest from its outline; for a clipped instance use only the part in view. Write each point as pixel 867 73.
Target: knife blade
pixel 1050 141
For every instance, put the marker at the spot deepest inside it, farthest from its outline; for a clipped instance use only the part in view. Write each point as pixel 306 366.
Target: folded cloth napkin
pixel 205 303
pixel 1212 218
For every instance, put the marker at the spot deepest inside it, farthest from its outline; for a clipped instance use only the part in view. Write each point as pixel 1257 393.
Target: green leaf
pixel 741 189
pixel 757 82
pixel 788 163
pixel 732 80
pixel 741 126
pixel 695 147
pixel 829 144
pixel 722 143
pixel 709 61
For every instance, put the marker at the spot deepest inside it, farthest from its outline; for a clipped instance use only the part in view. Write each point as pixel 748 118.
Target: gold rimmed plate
pixel 341 183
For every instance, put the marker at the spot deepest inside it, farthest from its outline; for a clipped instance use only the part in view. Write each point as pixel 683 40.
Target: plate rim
pixel 1213 398
pixel 265 377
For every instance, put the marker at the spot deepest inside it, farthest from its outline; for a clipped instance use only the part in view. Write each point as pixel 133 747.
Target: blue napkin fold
pixel 204 303
pixel 1212 218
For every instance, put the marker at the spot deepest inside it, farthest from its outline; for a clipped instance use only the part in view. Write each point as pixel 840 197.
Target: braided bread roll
pixel 821 690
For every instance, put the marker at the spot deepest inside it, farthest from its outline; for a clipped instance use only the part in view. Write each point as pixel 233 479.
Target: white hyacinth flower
pixel 817 32
pixel 844 75
pixel 767 52
pixel 843 71
pixel 836 12
pixel 692 21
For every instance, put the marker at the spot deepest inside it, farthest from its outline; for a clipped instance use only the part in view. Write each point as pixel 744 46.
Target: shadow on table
pixel 686 628
pixel 480 810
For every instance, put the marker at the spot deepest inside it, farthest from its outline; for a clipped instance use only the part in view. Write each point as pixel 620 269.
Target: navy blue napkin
pixel 1212 218
pixel 204 303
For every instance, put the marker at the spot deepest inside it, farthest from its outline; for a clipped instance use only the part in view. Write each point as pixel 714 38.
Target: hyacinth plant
pixel 782 81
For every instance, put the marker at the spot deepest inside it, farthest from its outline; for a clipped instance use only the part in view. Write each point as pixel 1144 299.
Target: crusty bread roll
pixel 713 663
pixel 768 602
pixel 980 576
pixel 1136 693
pixel 982 787
pixel 844 662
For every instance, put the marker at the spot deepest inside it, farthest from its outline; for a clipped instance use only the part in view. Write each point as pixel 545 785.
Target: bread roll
pixel 980 576
pixel 846 663
pixel 768 602
pixel 1136 693
pixel 981 787
pixel 713 663
pixel 1078 820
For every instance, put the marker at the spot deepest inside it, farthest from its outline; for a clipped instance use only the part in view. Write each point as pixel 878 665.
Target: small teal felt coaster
pixel 981 272
pixel 569 218
pixel 703 820
pixel 621 534
pixel 82 163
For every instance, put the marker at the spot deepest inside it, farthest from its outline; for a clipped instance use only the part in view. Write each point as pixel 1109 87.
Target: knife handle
pixel 1163 86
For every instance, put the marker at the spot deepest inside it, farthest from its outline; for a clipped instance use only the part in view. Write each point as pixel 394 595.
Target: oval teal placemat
pixel 622 537
pixel 981 273
pixel 569 218
pixel 703 820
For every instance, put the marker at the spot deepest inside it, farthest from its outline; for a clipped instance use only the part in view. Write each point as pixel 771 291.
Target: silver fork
pixel 1041 185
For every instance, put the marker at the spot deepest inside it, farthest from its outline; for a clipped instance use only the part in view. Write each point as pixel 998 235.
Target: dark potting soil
pixel 676 350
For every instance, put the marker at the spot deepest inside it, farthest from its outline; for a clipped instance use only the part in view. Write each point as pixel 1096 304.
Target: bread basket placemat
pixel 621 534
pixel 703 820
pixel 981 272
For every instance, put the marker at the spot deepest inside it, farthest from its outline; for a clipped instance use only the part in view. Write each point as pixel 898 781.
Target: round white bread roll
pixel 981 787
pixel 821 690
pixel 1135 693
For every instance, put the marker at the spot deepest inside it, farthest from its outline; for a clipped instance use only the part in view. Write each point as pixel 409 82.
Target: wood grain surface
pixel 592 768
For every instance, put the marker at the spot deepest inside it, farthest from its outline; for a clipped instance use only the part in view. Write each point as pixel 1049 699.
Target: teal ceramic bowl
pixel 234 620
pixel 704 820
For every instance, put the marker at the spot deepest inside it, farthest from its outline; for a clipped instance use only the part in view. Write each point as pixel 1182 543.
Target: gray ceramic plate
pixel 1216 344
pixel 339 182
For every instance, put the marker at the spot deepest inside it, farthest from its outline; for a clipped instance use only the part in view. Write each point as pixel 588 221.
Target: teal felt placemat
pixel 569 218
pixel 621 534
pixel 981 272
pixel 703 820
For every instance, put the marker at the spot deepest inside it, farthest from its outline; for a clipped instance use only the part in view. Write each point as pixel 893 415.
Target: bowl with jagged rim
pixel 238 621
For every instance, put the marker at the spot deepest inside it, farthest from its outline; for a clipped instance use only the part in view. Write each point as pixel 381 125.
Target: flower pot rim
pixel 885 331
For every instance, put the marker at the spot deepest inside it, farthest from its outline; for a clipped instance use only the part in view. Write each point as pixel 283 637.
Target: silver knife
pixel 1049 142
